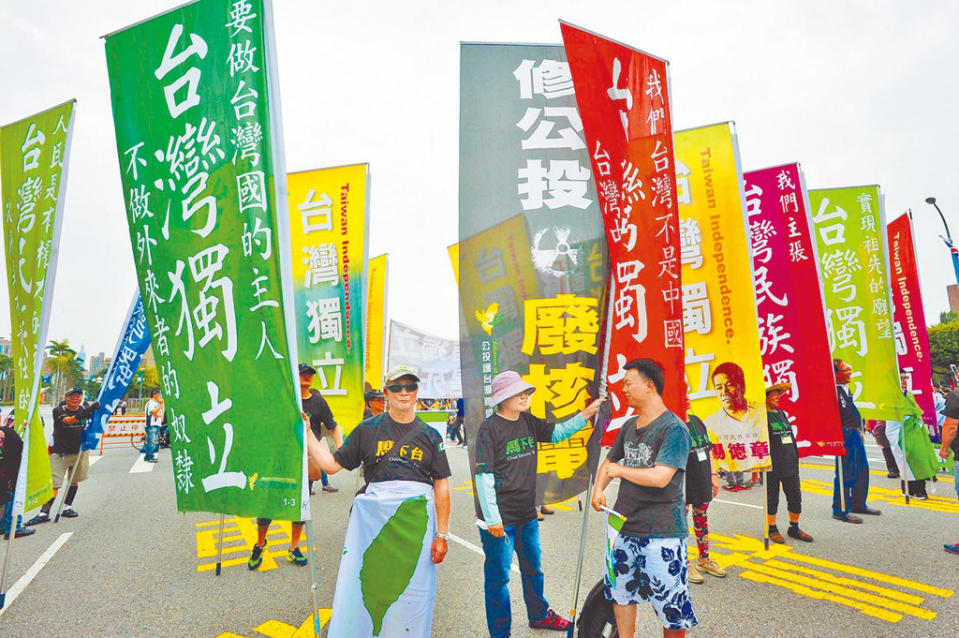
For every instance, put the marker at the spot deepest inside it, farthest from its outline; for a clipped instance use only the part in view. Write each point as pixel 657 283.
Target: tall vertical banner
pixel 131 346
pixel 794 345
pixel 724 366
pixel 849 230
pixel 909 320
pixel 623 95
pixel 378 271
pixel 34 154
pixel 328 221
pixel 532 260
pixel 199 144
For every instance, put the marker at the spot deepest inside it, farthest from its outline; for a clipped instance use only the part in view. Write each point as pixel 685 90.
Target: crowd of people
pixel 666 470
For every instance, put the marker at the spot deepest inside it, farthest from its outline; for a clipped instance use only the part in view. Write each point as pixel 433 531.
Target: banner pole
pixel 313 587
pixel 842 485
pixel 579 559
pixel 219 546
pixel 766 509
pixel 904 471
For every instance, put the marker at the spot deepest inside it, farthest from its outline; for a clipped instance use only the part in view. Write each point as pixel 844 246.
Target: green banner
pixel 33 161
pixel 850 234
pixel 200 147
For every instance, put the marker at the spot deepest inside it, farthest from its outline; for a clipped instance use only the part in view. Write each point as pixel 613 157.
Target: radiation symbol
pixel 551 252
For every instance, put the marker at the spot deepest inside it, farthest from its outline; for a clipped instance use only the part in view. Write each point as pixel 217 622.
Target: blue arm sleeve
pixel 486 495
pixel 562 431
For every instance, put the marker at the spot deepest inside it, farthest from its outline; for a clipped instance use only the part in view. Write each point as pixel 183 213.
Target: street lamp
pixel 948 238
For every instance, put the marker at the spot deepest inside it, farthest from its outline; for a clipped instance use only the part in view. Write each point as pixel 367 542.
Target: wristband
pixel 445 537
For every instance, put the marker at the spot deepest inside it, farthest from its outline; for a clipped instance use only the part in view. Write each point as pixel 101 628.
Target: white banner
pixel 436 360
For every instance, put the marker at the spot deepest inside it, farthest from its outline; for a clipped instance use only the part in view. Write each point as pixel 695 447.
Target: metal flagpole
pixel 314 587
pixel 905 461
pixel 579 559
pixel 65 484
pixel 219 546
pixel 766 509
pixel 842 485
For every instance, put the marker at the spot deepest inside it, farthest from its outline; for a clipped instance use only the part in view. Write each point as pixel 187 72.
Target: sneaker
pixel 296 557
pixel 69 512
pixel 330 489
pixel 256 557
pixel 42 517
pixel 153 460
pixel 539 516
pixel 552 621
pixel 952 549
pixel 549 511
pixel 892 475
pixel 775 536
pixel 711 567
pixel 798 534
pixel 694 575
pixel 731 488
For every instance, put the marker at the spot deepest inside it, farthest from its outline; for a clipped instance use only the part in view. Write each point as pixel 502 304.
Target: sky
pixel 858 92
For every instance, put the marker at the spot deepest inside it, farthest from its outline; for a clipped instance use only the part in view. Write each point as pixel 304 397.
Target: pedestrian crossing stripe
pixel 847 585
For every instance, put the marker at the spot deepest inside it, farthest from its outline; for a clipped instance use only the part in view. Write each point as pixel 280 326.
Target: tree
pixel 60 355
pixel 948 317
pixel 944 349
pixel 6 377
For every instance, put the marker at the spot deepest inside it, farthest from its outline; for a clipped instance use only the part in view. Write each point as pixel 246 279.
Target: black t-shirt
pixel 699 469
pixel 951 411
pixel 391 451
pixel 849 416
pixel 68 436
pixel 782 445
pixel 321 417
pixel 507 450
pixel 653 512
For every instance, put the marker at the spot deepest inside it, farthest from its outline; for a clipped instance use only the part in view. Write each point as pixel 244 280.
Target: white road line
pixel 94 459
pixel 477 550
pixel 31 573
pixel 141 466
pixel 719 500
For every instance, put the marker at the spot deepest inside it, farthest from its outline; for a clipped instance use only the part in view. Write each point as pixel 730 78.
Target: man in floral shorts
pixel 647 558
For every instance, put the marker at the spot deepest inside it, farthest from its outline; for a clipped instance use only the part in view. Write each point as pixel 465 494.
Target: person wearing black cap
pixel 69 419
pixel 374 403
pixel 785 459
pixel 317 411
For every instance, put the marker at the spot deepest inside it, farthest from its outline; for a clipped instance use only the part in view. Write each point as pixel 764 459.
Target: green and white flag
pixel 850 234
pixel 33 177
pixel 200 148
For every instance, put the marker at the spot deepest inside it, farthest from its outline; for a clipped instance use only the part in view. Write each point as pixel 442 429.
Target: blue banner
pixel 133 343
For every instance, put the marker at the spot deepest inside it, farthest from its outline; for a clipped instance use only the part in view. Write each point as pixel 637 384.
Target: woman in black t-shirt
pixel 785 472
pixel 702 484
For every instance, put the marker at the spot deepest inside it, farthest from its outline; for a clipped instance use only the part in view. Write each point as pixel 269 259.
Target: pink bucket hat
pixel 508 384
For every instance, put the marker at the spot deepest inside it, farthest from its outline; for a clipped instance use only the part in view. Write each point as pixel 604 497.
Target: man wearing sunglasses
pixel 405 468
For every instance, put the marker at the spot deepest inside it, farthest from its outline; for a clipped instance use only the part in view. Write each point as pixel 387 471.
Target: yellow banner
pixel 328 214
pixel 724 370
pixel 377 273
pixel 454 252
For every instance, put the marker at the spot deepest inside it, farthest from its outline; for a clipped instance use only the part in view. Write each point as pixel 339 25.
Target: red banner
pixel 623 99
pixel 793 338
pixel 909 324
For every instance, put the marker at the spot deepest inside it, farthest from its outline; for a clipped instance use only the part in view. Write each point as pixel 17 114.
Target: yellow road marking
pixel 568 504
pixel 832 468
pixel 239 536
pixel 865 573
pixel 878 601
pixel 279 629
pixel 869 610
pixel 890 496
pixel 467 485
pixel 849 582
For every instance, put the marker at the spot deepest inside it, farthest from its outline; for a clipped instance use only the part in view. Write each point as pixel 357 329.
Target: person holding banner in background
pixel 950 445
pixel 855 466
pixel 505 480
pixel 785 472
pixel 69 419
pixel 649 457
pixel 702 486
pixel 399 521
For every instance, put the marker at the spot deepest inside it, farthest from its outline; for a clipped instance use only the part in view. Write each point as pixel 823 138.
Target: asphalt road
pixel 129 566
